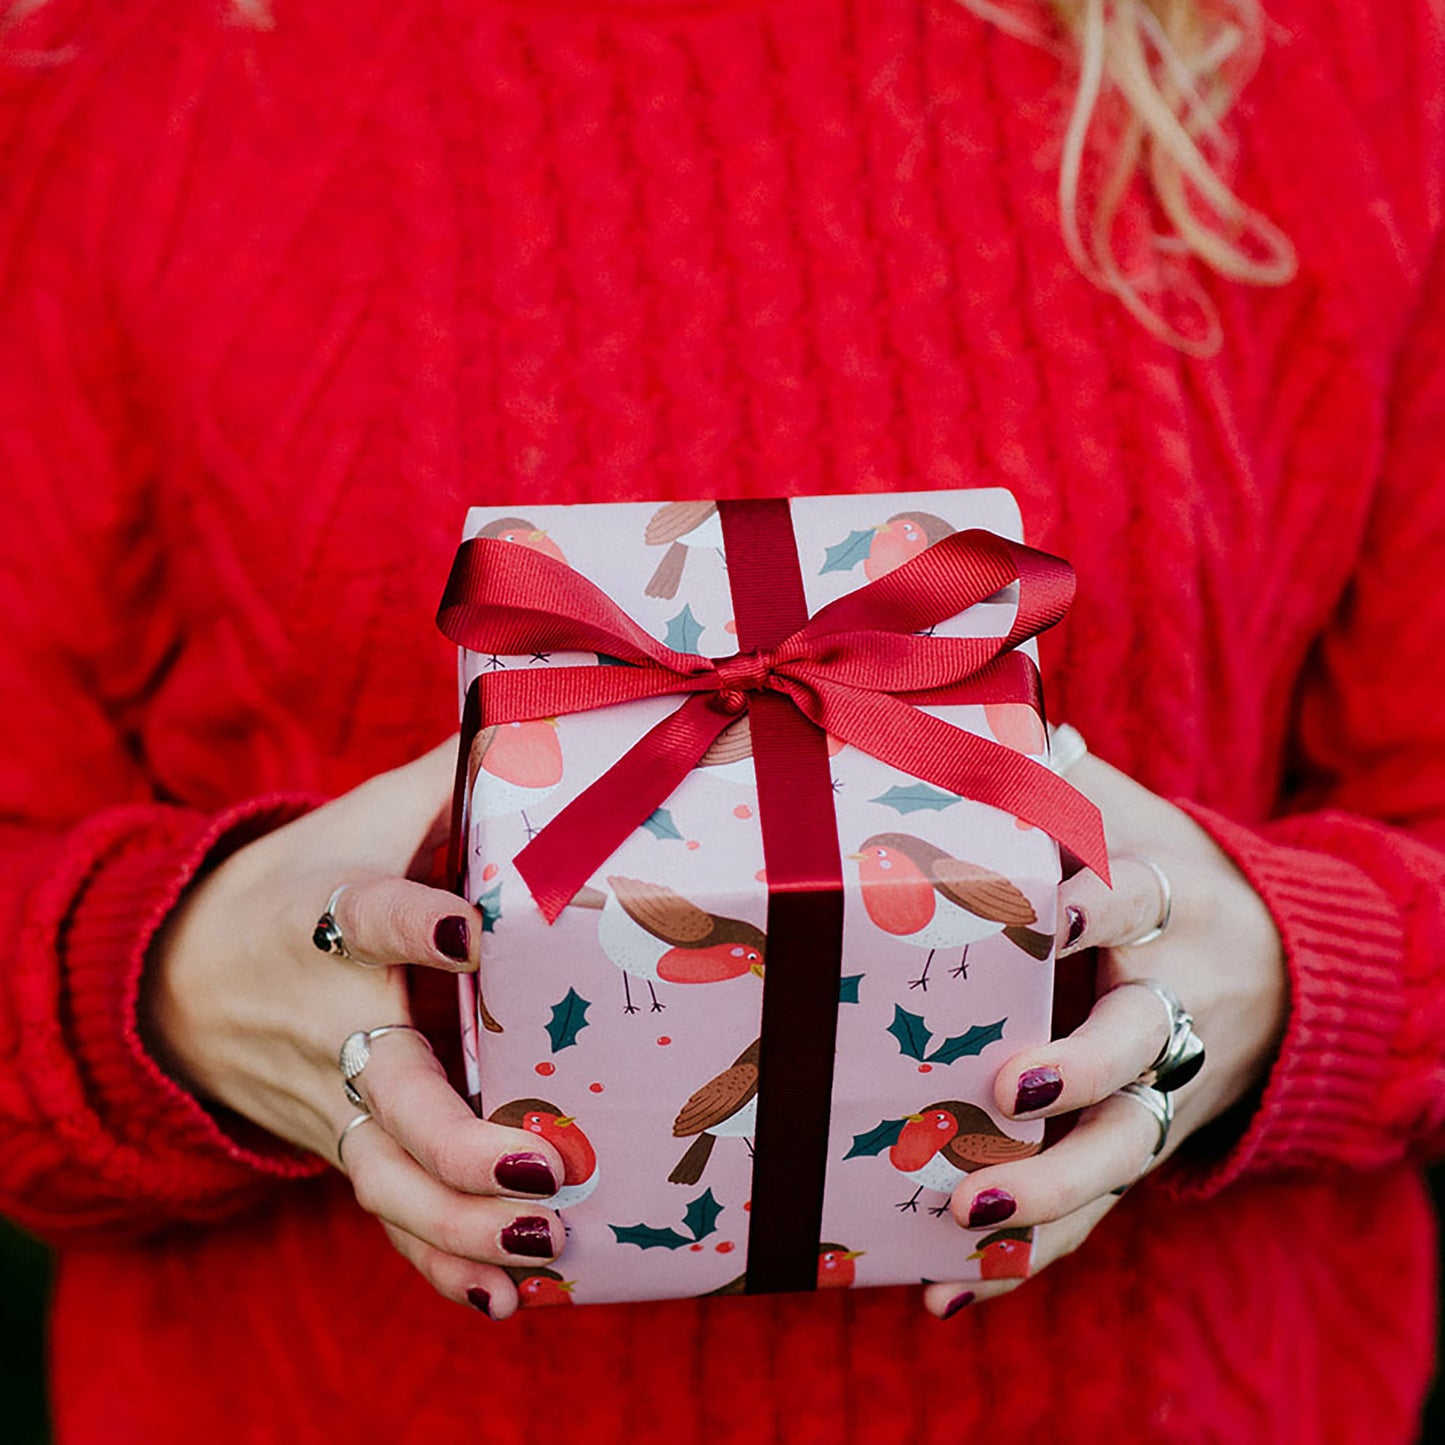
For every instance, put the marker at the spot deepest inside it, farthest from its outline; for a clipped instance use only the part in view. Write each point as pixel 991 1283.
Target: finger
pixel 481 1287
pixel 406 1089
pixel 1122 1036
pixel 1051 1243
pixel 1094 915
pixel 392 921
pixel 409 798
pixel 1107 1149
pixel 390 1184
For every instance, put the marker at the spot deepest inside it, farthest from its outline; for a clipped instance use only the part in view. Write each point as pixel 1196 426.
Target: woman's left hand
pixel 1220 954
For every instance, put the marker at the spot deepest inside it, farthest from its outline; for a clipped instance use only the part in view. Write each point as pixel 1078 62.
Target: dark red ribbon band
pixel 857 669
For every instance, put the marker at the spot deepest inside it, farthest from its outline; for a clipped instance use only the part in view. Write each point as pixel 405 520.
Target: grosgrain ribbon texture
pixel 857 668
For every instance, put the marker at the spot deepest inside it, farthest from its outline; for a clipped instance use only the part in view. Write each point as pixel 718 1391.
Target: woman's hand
pixel 1220 954
pixel 246 1012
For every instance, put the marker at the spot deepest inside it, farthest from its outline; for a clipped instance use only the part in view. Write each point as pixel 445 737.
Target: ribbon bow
pixel 858 668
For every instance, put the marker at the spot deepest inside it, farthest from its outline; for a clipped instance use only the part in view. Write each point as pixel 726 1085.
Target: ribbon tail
pixel 581 838
pixel 937 752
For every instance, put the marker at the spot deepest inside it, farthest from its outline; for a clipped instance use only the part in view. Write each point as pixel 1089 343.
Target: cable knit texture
pixel 275 306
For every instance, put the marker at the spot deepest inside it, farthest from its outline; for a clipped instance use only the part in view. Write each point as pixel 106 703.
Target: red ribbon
pixel 857 668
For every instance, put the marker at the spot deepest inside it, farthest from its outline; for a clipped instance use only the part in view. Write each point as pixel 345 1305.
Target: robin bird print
pixel 524 534
pixel 900 539
pixel 727 1105
pixel 943 1142
pixel 651 931
pixel 837 1269
pixel 537 1288
pixel 518 764
pixel 1005 1254
pixel 678 526
pixel 914 890
pixel 564 1133
pixel 729 756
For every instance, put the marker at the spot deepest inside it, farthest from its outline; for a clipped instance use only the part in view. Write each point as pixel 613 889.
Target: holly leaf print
pixel 644 1236
pixel 875 1141
pixel 914 797
pixel 960 1046
pixel 489 904
pixel 660 825
pixel 701 1215
pixel 848 987
pixel 569 1018
pixel 844 556
pixel 684 632
pixel 911 1033
pixel 606 659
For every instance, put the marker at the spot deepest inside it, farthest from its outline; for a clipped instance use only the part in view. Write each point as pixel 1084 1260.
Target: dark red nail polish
pixel 991 1206
pixel 453 938
pixel 957 1303
pixel 1038 1088
pixel 529 1237
pixel 525 1174
pixel 480 1301
pixel 1078 922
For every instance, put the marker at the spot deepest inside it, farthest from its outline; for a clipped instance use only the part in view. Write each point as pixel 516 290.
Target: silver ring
pixel 327 933
pixel 353 1123
pixel 356 1054
pixel 1166 901
pixel 1161 1107
pixel 1066 747
pixel 1182 1056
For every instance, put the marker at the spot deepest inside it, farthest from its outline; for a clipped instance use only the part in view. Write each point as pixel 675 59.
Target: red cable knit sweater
pixel 274 307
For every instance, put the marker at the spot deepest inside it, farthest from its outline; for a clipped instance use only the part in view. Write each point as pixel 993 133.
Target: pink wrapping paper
pixel 626 1033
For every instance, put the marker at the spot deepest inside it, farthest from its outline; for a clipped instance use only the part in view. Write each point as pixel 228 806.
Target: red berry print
pixel 693 845
pixel 726 1247
pixel 490 872
pixel 747 1206
pixel 546 1067
pixel 925 1068
pixel 742 811
pixel 694 1247
pixel 761 876
pixel 595 1088
pixel 664 1041
pixel 1022 826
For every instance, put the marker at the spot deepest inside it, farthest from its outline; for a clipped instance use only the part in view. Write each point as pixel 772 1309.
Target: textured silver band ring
pixel 356 1054
pixel 1161 1107
pixel 1166 901
pixel 355 1122
pixel 1182 1056
pixel 327 933
pixel 1066 747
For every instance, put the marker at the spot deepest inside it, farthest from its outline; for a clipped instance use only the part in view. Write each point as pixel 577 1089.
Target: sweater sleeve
pixel 1354 871
pixel 95 847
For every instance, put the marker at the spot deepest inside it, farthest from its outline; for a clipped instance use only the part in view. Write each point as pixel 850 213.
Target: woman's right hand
pixel 243 1010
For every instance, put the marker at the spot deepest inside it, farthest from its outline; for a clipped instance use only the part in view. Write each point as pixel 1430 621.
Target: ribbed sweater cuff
pixel 1319 1108
pixel 127 899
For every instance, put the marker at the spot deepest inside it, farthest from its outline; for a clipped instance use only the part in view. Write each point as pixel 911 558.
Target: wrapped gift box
pixel 630 1031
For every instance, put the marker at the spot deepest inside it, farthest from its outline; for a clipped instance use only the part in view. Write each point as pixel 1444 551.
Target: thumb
pixel 394 822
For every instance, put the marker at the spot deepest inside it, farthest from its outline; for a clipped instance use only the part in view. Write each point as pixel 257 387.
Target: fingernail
pixel 957 1303
pixel 525 1174
pixel 481 1301
pixel 1038 1088
pixel 453 938
pixel 530 1237
pixel 991 1206
pixel 1078 922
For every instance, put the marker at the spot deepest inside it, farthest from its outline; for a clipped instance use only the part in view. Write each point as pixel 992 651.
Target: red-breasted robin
pixel 653 932
pixel 524 534
pixel 678 526
pixel 900 539
pixel 914 890
pixel 727 1104
pixel 1005 1254
pixel 945 1141
pixel 537 1288
pixel 564 1133
pixel 837 1269
pixel 522 762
